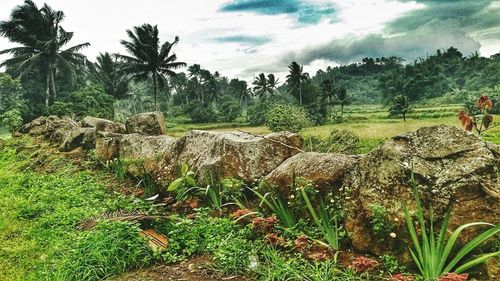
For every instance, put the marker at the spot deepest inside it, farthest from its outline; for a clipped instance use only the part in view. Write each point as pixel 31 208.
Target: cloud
pixel 424 40
pixel 470 16
pixel 243 40
pixel 304 12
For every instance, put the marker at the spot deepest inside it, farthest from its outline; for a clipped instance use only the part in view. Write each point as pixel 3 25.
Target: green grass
pixel 370 122
pixel 40 212
pixel 4 133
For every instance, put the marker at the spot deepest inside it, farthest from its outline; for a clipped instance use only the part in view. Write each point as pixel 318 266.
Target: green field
pixel 369 122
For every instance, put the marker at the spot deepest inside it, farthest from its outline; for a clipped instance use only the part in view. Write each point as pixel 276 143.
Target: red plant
pixel 240 213
pixel 454 277
pixel 301 243
pixel 480 122
pixel 264 225
pixel 401 277
pixel 318 255
pixel 274 239
pixel 363 264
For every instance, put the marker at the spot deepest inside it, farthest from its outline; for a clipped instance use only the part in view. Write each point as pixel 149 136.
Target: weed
pixel 391 264
pixel 279 207
pixel 185 184
pixel 380 222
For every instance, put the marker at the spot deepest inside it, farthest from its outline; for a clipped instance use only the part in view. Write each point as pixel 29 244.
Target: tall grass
pixel 279 207
pixel 431 253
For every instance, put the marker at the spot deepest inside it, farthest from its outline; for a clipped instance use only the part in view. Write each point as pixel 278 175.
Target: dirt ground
pixel 191 270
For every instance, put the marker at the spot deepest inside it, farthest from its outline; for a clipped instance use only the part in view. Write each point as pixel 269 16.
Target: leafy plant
pixel 431 253
pixel 380 222
pixel 479 119
pixel 184 184
pixel 391 264
pixel 279 207
pixel 327 223
pixel 116 167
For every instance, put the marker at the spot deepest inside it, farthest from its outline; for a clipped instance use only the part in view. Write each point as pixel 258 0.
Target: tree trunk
pixel 47 96
pixel 154 91
pixel 300 92
pixel 53 87
pixel 341 110
pixel 404 117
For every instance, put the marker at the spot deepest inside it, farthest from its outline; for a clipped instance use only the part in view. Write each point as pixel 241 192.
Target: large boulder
pixel 239 155
pixel 155 155
pixel 149 123
pixel 52 128
pixel 452 168
pixel 107 146
pixel 78 137
pixel 325 170
pixel 103 125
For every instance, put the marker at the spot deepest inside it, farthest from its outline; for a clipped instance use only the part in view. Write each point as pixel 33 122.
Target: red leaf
pixel 454 277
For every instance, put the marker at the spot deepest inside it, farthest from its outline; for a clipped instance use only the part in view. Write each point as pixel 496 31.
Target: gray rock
pixel 453 168
pixel 103 125
pixel 238 155
pixel 79 137
pixel 325 170
pixel 149 123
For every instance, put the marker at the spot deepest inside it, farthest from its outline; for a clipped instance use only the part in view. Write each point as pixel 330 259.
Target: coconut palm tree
pixel 107 71
pixel 328 95
pixel 148 59
pixel 400 105
pixel 42 40
pixel 296 79
pixel 342 98
pixel 264 87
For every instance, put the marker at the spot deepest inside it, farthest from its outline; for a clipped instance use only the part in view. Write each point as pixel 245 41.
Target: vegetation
pixel 287 118
pixel 431 253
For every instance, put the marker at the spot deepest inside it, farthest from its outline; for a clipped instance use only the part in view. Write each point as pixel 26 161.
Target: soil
pixel 191 270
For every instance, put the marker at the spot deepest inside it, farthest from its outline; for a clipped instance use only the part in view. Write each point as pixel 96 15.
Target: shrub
pixel 229 110
pixel 257 113
pixel 287 118
pixel 200 112
pixel 339 140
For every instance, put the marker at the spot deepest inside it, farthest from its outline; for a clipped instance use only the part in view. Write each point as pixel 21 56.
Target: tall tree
pixel 295 80
pixel 148 59
pixel 107 71
pixel 42 39
pixel 328 95
pixel 343 98
pixel 400 105
pixel 264 87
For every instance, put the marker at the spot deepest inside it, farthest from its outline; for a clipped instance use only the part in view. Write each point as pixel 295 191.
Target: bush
pixel 257 113
pixel 229 110
pixel 340 140
pixel 90 100
pixel 287 118
pixel 12 105
pixel 200 112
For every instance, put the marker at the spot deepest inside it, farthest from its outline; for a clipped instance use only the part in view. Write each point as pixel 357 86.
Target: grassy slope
pixel 40 212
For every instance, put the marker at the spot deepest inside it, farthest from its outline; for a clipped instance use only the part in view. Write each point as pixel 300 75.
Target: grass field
pixel 369 122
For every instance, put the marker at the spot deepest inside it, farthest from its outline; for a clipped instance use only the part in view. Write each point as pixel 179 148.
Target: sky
pixel 241 38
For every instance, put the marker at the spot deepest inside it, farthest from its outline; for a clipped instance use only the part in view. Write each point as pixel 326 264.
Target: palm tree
pixel 400 105
pixel 295 80
pixel 107 71
pixel 265 86
pixel 328 94
pixel 42 40
pixel 343 98
pixel 148 59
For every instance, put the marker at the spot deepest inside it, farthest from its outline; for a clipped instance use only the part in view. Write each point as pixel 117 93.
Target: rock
pixel 452 167
pixel 79 137
pixel 107 146
pixel 52 128
pixel 149 154
pixel 103 125
pixel 149 123
pixel 238 155
pixel 323 169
